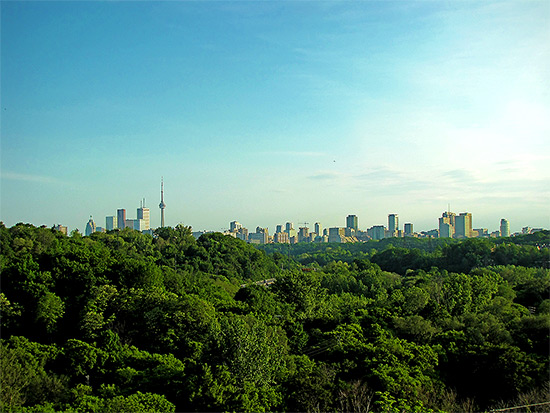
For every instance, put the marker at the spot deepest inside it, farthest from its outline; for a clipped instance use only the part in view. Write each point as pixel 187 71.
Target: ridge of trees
pixel 124 321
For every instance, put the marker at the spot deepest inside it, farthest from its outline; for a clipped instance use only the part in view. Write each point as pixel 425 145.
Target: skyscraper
pixel 463 225
pixel 144 214
pixel 393 224
pixel 318 228
pixel 447 224
pixel 162 205
pixel 121 218
pixel 408 228
pixel 352 222
pixel 504 228
pixel 90 227
pixel 110 223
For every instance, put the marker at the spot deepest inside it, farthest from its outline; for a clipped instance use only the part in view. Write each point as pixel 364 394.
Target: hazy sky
pixel 268 112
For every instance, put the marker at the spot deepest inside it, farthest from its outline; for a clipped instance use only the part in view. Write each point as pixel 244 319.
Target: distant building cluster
pixel 450 225
pixel 288 234
pixel 142 222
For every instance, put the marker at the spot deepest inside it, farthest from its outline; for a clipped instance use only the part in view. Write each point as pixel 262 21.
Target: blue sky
pixel 268 112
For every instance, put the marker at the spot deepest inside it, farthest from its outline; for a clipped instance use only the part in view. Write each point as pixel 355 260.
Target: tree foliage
pixel 124 321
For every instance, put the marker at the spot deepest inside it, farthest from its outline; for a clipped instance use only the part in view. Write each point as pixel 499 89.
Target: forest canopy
pixel 124 321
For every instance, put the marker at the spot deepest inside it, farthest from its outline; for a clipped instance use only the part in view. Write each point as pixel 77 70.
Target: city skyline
pixel 266 112
pixel 451 225
pixel 447 220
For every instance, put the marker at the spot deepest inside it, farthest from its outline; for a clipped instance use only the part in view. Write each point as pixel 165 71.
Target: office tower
pixel 162 205
pixel 110 223
pixel 318 228
pixel 144 214
pixel 121 218
pixel 352 222
pixel 408 229
pixel 446 230
pixel 504 228
pixel 139 224
pixel 278 229
pixel 447 224
pixel 90 227
pixel 463 225
pixel 234 226
pixel 393 224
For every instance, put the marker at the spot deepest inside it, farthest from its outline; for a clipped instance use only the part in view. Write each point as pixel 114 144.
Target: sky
pixel 268 112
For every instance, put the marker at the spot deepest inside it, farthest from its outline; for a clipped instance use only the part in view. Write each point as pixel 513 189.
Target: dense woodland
pixel 129 322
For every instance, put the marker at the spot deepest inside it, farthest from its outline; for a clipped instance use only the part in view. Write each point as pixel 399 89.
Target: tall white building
pixel 504 228
pixel 144 214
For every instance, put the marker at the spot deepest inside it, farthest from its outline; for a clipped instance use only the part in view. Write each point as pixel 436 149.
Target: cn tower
pixel 162 205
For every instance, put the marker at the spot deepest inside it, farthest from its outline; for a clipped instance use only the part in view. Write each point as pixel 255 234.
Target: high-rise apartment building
pixel 504 228
pixel 121 218
pixel 463 225
pixel 281 237
pixel 289 229
pixel 235 226
pixel 336 234
pixel 352 222
pixel 242 233
pixel 303 234
pixel 376 232
pixel 261 236
pixel 408 229
pixel 393 224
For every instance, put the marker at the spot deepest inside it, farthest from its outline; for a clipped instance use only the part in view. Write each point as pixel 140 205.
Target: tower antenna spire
pixel 162 205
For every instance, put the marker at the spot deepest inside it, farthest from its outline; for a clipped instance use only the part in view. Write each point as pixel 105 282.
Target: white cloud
pixel 14 176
